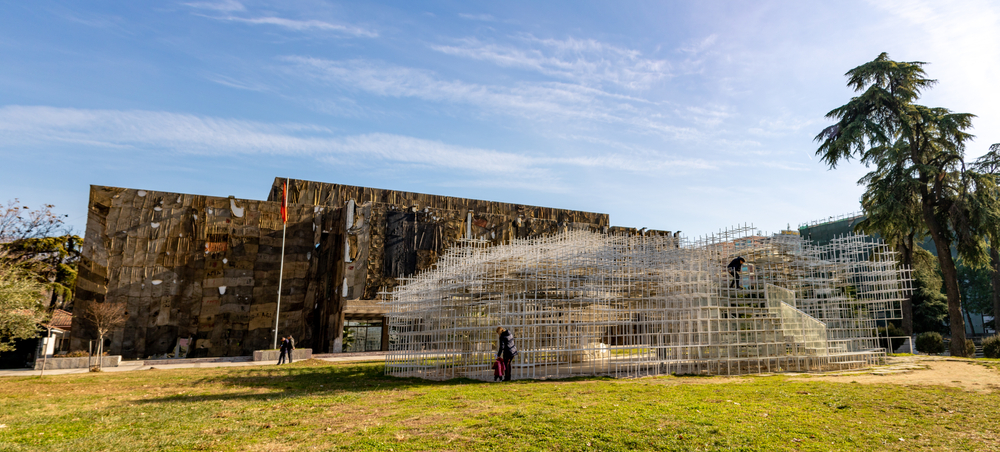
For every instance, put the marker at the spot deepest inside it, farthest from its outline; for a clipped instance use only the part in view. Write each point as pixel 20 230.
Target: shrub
pixel 991 346
pixel 893 331
pixel 970 348
pixel 77 354
pixel 930 342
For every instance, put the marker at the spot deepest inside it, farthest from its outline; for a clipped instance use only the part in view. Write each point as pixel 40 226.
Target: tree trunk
pixel 907 262
pixel 100 352
pixel 950 276
pixel 995 261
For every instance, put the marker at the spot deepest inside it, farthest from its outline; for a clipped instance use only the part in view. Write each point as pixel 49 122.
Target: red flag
pixel 284 202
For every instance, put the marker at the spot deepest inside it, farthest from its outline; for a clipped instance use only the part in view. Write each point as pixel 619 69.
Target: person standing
pixel 734 269
pixel 289 347
pixel 507 350
pixel 282 350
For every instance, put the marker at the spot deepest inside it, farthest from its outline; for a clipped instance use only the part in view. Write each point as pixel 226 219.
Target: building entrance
pixel 367 336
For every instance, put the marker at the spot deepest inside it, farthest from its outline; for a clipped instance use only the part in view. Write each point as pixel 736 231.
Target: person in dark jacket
pixel 734 268
pixel 289 348
pixel 282 350
pixel 285 350
pixel 507 350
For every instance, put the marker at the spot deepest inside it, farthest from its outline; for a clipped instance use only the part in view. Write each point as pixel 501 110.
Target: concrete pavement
pixel 127 366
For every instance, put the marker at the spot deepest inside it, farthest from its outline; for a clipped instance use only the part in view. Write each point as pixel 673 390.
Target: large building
pixel 204 270
pixel 429 277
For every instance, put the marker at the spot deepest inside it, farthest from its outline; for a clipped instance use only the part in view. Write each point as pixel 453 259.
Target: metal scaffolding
pixel 582 303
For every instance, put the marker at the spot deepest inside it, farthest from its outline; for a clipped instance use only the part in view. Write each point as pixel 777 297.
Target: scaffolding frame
pixel 582 303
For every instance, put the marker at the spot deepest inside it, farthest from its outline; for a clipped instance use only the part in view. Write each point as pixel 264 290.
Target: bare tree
pixel 106 318
pixel 19 222
pixel 40 242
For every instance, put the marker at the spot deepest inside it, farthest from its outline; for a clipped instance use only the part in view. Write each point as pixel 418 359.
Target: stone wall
pixel 408 231
pixel 195 266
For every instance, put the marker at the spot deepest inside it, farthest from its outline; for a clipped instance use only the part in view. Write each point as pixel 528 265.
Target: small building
pixel 61 325
pixel 52 337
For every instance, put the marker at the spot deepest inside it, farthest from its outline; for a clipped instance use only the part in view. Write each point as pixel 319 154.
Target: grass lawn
pixel 320 405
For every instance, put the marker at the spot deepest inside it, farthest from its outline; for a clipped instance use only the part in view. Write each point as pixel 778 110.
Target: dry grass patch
pixel 922 371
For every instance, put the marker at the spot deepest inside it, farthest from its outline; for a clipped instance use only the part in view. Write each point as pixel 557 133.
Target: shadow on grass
pixel 320 378
pixel 306 378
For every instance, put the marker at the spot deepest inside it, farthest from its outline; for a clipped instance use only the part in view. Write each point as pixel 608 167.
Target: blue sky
pixel 689 116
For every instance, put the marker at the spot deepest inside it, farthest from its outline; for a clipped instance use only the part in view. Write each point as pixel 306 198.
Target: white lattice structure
pixel 581 303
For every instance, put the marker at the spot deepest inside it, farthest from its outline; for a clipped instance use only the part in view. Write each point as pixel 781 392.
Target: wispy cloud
pixel 237 83
pixel 479 17
pixel 698 46
pixel 585 61
pixel 304 25
pixel 220 5
pixel 534 101
pixel 708 115
pixel 781 126
pixel 229 7
pixel 154 131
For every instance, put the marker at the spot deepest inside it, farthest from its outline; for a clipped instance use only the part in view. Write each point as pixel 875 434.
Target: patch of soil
pixel 311 362
pixel 938 372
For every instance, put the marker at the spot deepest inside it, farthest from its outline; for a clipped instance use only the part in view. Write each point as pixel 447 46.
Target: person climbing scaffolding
pixel 734 269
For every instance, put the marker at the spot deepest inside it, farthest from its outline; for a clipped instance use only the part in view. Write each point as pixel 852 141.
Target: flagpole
pixel 281 268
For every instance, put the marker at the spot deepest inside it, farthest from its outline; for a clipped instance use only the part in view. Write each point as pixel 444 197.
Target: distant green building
pixel 822 232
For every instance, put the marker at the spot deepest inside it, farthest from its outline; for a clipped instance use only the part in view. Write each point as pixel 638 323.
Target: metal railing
pixel 803 328
pixel 832 219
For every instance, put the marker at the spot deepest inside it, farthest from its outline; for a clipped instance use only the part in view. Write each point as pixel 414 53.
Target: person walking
pixel 734 269
pixel 282 350
pixel 507 350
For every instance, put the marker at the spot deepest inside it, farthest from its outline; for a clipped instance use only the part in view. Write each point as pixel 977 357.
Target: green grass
pixel 319 405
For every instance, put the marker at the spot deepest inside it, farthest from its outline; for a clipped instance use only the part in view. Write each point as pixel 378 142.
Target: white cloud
pixel 699 46
pixel 235 83
pixel 534 101
pixel 139 131
pixel 585 61
pixel 708 115
pixel 304 25
pixel 232 6
pixel 781 126
pixel 220 5
pixel 479 17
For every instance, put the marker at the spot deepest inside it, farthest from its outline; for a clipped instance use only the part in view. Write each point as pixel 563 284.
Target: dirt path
pixel 923 371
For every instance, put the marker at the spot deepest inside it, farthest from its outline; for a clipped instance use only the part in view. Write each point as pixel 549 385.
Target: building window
pixel 367 336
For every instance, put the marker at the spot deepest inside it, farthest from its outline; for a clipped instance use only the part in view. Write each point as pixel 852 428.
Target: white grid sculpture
pixel 582 303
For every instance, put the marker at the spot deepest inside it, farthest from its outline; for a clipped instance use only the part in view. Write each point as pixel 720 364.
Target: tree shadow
pixel 304 379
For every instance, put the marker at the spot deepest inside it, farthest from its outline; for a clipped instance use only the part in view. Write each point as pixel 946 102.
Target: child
pixel 498 369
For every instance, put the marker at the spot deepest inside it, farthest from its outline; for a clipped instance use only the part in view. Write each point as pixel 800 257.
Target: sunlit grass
pixel 314 404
